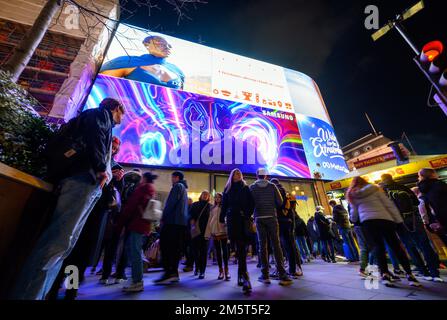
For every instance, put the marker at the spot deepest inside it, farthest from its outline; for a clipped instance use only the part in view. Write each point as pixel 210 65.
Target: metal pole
pixel 400 29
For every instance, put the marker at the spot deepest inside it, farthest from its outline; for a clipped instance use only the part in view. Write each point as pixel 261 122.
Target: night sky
pixel 327 40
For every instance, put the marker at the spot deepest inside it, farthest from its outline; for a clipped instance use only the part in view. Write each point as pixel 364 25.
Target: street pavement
pixel 321 281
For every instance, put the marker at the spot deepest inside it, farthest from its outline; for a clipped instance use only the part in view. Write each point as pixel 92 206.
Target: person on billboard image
pixel 150 68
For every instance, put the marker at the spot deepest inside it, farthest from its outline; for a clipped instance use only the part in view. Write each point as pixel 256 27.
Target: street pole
pixel 401 31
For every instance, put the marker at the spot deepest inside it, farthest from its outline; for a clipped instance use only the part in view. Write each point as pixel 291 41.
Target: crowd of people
pixel 101 212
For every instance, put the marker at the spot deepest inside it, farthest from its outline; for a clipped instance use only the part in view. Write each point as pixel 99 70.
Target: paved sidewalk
pixel 321 281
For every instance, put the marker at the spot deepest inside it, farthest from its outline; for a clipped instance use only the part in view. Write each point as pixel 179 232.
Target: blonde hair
pixel 357 183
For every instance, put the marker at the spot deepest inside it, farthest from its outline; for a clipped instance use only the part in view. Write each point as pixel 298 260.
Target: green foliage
pixel 23 133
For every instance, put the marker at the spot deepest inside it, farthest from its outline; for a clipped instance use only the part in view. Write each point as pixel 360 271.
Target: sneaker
pixel 438 279
pixel 105 282
pixel 386 280
pixel 428 278
pixel 394 278
pixel 166 279
pixel 188 269
pixel 134 287
pixel 120 280
pixel 294 275
pixel 285 281
pixel 202 276
pixel 412 281
pixel 399 273
pixel 264 279
pixel 274 275
pixel 363 274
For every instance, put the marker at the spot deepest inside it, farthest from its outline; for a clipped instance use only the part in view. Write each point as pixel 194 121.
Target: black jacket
pixel 96 131
pixel 313 233
pixel 200 209
pixel 435 192
pixel 323 226
pixel 237 208
pixel 341 216
pixel 300 227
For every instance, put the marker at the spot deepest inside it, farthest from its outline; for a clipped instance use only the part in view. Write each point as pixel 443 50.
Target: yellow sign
pixel 396 172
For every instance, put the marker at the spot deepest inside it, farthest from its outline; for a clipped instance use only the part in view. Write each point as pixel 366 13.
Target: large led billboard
pixel 195 107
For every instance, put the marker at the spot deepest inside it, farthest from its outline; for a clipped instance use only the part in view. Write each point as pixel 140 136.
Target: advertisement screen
pixel 183 99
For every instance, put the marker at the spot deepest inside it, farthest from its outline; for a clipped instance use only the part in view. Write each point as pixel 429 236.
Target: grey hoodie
pixel 266 197
pixel 370 203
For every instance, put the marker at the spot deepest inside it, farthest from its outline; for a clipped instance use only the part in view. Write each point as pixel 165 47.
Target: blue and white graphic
pixel 323 153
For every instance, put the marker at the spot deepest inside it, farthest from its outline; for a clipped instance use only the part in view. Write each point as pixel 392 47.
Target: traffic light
pixel 433 63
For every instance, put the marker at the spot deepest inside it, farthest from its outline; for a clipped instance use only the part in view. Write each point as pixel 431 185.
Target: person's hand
pixel 118 174
pixel 102 178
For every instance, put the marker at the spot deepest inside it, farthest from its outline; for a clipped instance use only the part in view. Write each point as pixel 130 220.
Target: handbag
pixel 195 228
pixel 153 211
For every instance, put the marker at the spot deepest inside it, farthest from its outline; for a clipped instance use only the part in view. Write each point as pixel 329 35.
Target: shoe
pixel 363 274
pixel 294 275
pixel 99 272
pixel 274 275
pixel 246 287
pixel 221 275
pixel 334 261
pixel 240 281
pixel 428 278
pixel 188 269
pixel 196 272
pixel 134 287
pixel 438 279
pixel 412 281
pixel 264 279
pixel 227 276
pixel 120 280
pixel 166 279
pixel 399 273
pixel 202 276
pixel 285 281
pixel 105 282
pixel 394 278
pixel 386 280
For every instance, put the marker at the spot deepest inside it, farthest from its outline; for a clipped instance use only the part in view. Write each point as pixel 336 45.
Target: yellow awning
pixel 374 172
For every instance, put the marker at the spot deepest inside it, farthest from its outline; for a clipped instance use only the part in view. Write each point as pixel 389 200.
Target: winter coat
pixel 435 194
pixel 266 197
pixel 323 226
pixel 341 216
pixel 200 211
pixel 300 227
pixel 132 215
pixel 96 132
pixel 371 203
pixel 214 228
pixel 176 207
pixel 312 229
pixel 237 208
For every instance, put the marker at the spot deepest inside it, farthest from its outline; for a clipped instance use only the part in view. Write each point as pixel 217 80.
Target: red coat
pixel 131 215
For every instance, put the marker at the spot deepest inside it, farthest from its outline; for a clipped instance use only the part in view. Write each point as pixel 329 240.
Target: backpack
pixel 131 181
pixel 402 200
pixel 64 149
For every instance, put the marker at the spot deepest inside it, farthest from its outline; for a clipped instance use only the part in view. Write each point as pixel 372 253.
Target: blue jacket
pixel 176 207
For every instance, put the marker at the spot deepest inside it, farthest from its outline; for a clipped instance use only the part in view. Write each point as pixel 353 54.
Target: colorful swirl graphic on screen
pixel 170 128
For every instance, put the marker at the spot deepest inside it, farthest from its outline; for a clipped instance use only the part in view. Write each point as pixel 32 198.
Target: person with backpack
pixel 326 235
pixel 411 231
pixel 267 200
pixel 341 218
pixel 172 228
pixel 79 163
pixel 314 236
pixel 286 224
pixel 378 217
pixel 133 220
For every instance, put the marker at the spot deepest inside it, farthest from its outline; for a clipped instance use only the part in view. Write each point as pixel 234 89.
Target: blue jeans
pixel 77 198
pixel 348 239
pixel 302 245
pixel 134 246
pixel 366 255
pixel 408 240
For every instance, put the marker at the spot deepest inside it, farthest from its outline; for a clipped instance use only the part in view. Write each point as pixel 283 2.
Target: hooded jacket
pixel 176 207
pixel 371 203
pixel 435 193
pixel 341 216
pixel 267 199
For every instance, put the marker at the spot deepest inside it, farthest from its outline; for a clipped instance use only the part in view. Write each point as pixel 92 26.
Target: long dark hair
pixel 230 180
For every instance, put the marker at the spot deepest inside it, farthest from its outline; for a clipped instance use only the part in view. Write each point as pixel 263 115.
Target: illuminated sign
pixel 195 107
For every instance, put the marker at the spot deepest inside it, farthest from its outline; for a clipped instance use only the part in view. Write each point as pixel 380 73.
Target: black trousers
pixel 241 254
pixel 200 248
pixel 110 253
pixel 379 231
pixel 171 245
pixel 221 247
pixel 287 241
